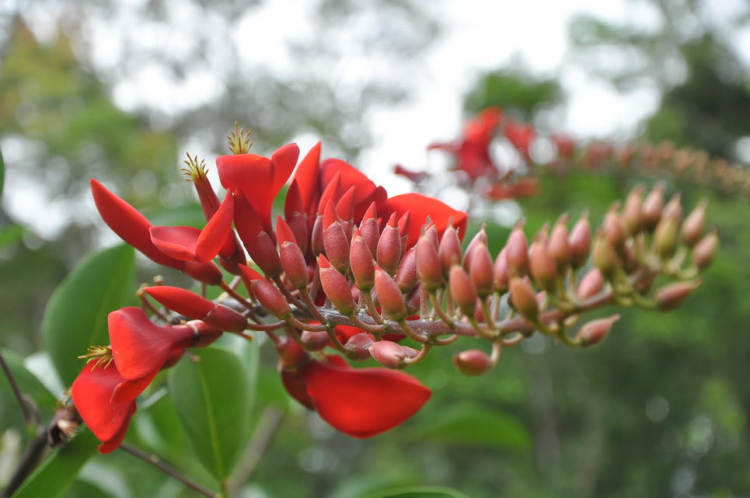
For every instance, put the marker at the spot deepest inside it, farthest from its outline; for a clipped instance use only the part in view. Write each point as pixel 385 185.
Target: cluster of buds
pixel 349 274
pixel 480 171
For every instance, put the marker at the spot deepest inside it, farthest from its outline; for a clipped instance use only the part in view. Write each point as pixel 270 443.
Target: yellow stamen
pixel 102 355
pixel 239 140
pixel 195 171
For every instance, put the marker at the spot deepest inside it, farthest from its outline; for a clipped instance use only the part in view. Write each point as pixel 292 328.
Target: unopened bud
pixel 500 275
pixel 389 247
pixel 666 237
pixel 652 207
pixel 558 246
pixel 389 354
pixel 692 228
pixel 673 209
pixel 481 270
pixel 314 341
pixel 605 257
pixel 596 330
pixel 262 251
pixel 291 354
pixel 429 267
pixel 224 318
pixel 516 252
pixel 632 212
pixel 406 274
pixel 358 345
pixel 291 256
pixel 205 333
pixel 390 297
pixel 316 237
pixel 370 229
pixel 449 249
pixel 335 241
pixel 705 251
pixel 207 273
pixel 479 238
pixel 336 287
pixel 463 291
pixel 591 284
pixel 271 298
pixel 472 362
pixel 580 242
pixel 614 229
pixel 672 295
pixel 542 266
pixel 361 263
pixel 524 299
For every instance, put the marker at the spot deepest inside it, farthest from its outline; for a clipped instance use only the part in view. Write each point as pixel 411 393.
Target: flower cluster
pixel 349 273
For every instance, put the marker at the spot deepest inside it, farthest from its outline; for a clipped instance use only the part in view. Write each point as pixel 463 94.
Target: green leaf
pixel 60 469
pixel 27 383
pixel 76 314
pixel 211 394
pixel 475 426
pixel 417 492
pixel 10 234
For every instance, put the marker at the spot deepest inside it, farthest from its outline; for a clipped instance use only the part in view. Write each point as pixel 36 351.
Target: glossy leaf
pixel 60 469
pixel 211 394
pixel 417 492
pixel 76 314
pixel 27 383
pixel 475 426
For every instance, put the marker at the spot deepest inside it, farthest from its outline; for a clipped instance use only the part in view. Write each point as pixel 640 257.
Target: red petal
pixel 130 225
pixel 139 346
pixel 363 402
pixel 330 194
pixel 181 300
pixel 283 162
pixel 283 232
pixel 422 207
pixel 252 175
pixel 246 219
pixel 306 178
pixel 214 235
pixel 177 242
pixel 91 392
pixel 114 443
pixel 128 390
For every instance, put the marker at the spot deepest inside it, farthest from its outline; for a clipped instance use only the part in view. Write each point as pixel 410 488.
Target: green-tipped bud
pixel 543 267
pixel 449 249
pixel 336 287
pixel 591 284
pixel 705 251
pixel 463 291
pixel 596 330
pixel 390 297
pixel 672 295
pixel 517 252
pixel 429 266
pixel 472 362
pixel 605 257
pixel 389 247
pixel 580 242
pixel 481 270
pixel 524 299
pixel 361 263
pixel 653 206
pixel 666 237
pixel 692 228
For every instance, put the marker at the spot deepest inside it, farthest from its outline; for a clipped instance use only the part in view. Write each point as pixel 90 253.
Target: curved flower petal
pixel 139 346
pixel 128 390
pixel 363 402
pixel 176 242
pixel 283 162
pixel 91 393
pixel 130 225
pixel 422 207
pixel 306 178
pixel 366 190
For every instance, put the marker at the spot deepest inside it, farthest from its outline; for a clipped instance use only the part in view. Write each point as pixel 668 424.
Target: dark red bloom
pixel 421 208
pixel 91 392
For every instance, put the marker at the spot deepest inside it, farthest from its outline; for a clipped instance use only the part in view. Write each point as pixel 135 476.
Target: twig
pixel 29 460
pixel 16 391
pixel 156 462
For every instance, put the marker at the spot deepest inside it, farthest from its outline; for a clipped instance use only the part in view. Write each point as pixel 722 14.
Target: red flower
pixel 91 392
pixel 422 207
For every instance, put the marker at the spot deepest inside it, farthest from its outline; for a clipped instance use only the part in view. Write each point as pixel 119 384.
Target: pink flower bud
pixel 336 287
pixel 267 294
pixel 632 213
pixel 462 290
pixel 500 273
pixel 224 318
pixel 389 354
pixel 314 341
pixel 357 347
pixel 406 274
pixel 481 270
pixel 705 251
pixel 672 295
pixel 390 297
pixel 370 229
pixel 429 267
pixel 614 229
pixel 479 238
pixel 542 266
pixel 580 242
pixel 316 237
pixel 591 284
pixel 692 228
pixel 472 362
pixel 361 263
pixel 652 207
pixel 673 209
pixel 516 252
pixel 449 249
pixel 558 246
pixel 389 247
pixel 523 298
pixel 335 240
pixel 596 330
pixel 291 256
